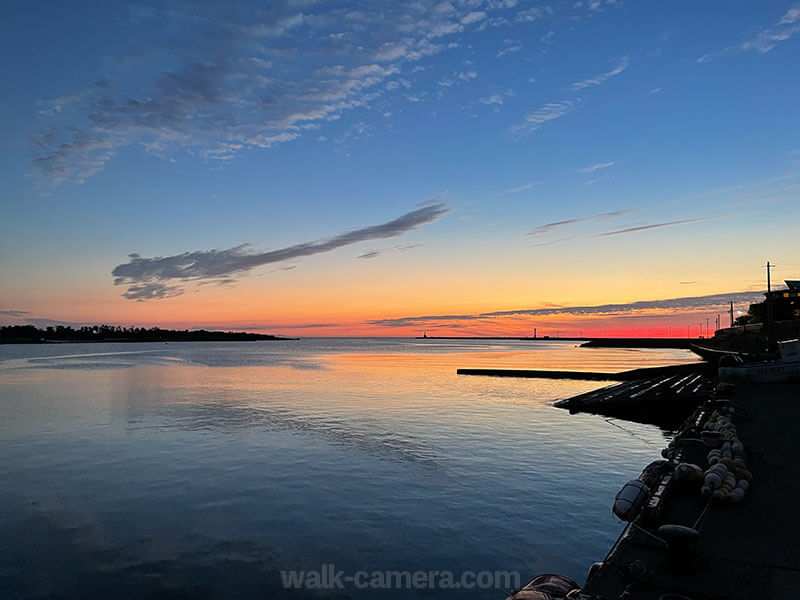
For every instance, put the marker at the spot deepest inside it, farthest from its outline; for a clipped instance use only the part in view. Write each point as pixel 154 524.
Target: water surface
pixel 203 469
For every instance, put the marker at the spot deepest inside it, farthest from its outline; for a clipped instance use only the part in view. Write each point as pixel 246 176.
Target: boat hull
pixel 762 373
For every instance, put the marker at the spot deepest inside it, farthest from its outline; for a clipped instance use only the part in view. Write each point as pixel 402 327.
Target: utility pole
pixel 731 313
pixel 769 304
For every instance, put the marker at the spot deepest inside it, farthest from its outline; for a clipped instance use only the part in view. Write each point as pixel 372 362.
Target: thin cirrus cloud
pixel 664 224
pixel 555 110
pixel 552 242
pixel 517 189
pixel 596 167
pixel 601 78
pixel 15 313
pixel 242 81
pixel 165 276
pixel 508 47
pixel 764 41
pixel 549 227
pixel 712 301
pixel 545 113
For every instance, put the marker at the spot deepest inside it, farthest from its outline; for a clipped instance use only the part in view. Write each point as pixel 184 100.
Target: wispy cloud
pixel 509 46
pixel 552 242
pixel 533 14
pixel 15 313
pixel 709 302
pixel 665 224
pixel 370 254
pixel 242 81
pixel 496 99
pixel 596 167
pixel 493 99
pixel 763 41
pixel 548 112
pixel 514 190
pixel 792 16
pixel 599 79
pixel 548 227
pixel 458 76
pixel 163 277
pixel 473 17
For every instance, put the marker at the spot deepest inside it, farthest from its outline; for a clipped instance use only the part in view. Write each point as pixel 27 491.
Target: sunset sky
pixel 387 168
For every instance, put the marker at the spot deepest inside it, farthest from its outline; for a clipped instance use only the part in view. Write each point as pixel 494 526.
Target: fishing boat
pixel 786 368
pixel 711 354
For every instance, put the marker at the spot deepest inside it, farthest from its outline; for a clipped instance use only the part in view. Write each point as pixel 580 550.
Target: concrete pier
pixel 631 375
pixel 747 550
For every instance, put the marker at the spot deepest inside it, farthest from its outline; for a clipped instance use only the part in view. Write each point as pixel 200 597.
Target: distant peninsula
pixel 29 334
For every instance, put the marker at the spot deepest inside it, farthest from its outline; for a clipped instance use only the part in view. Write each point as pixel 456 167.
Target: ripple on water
pixel 204 469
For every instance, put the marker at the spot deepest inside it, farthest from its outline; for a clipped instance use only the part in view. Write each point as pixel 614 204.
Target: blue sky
pixel 607 138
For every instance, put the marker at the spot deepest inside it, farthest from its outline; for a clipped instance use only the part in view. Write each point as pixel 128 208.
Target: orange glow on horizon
pixel 690 324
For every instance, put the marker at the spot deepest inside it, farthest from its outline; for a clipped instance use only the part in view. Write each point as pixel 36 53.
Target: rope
pixel 702 514
pixel 610 421
pixel 616 542
pixel 652 535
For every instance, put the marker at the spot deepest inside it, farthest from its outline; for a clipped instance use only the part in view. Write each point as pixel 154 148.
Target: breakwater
pixel 587 342
pixel 630 375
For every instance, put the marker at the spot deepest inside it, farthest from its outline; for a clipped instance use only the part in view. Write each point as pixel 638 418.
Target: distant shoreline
pixel 100 334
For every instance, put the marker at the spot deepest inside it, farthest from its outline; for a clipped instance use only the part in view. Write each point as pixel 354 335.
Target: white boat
pixel 787 368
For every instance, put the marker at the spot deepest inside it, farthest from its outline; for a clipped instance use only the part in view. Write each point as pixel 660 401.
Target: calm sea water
pixel 202 470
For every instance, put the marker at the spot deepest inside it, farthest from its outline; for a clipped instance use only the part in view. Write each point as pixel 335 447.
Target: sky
pixel 472 167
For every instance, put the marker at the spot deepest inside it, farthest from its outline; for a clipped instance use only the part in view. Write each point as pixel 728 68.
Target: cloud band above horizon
pixel 155 278
pixel 685 303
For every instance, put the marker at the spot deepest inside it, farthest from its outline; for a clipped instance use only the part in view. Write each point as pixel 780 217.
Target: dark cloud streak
pixel 684 303
pixel 15 313
pixel 155 278
pixel 548 227
pixel 665 224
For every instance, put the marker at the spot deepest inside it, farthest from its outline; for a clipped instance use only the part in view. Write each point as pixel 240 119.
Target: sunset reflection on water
pixel 216 465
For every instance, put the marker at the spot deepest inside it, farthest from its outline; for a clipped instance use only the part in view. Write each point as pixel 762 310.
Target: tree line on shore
pixel 30 334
